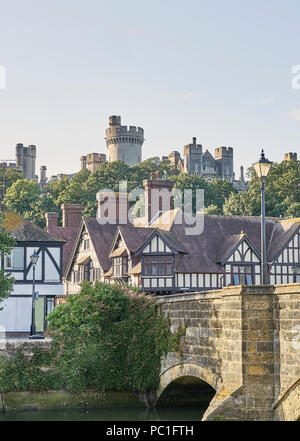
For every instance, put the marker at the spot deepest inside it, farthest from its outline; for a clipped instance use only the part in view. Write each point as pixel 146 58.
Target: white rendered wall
pixel 16 314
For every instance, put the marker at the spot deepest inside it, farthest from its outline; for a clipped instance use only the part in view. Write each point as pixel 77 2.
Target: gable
pixel 243 252
pixel 291 252
pixel 119 247
pixel 156 245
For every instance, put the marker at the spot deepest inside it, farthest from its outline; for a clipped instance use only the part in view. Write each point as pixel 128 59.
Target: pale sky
pixel 218 70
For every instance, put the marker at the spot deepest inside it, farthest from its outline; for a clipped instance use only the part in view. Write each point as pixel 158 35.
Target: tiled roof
pixel 101 237
pixel 23 230
pixel 282 233
pixel 135 237
pixel 204 249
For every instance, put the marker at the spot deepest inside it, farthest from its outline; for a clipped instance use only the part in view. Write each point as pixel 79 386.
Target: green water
pixel 111 414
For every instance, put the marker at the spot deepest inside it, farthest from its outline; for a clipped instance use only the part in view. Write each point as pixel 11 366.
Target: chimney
pixel 158 197
pixel 51 219
pixel 113 207
pixel 72 215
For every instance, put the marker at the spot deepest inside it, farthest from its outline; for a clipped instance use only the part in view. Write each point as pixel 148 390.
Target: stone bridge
pixel 240 352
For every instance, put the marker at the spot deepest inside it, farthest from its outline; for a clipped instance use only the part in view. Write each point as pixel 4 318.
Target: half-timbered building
pixel 157 255
pixel 15 317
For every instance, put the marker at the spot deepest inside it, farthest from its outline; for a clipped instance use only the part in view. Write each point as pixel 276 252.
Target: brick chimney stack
pixel 51 219
pixel 113 207
pixel 72 215
pixel 158 197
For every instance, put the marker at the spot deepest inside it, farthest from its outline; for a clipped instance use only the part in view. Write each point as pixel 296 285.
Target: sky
pixel 217 70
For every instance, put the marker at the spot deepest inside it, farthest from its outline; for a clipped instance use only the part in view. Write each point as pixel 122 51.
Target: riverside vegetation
pixel 105 338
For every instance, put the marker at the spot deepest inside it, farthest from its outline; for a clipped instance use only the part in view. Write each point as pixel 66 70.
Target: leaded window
pixel 242 275
pixel 158 266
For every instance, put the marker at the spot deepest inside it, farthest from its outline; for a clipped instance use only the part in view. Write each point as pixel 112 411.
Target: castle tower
pixel 175 160
pixel 19 156
pixel 224 161
pixel 124 143
pixel 193 158
pixel 25 159
pixel 43 177
pixel 290 156
pixel 83 162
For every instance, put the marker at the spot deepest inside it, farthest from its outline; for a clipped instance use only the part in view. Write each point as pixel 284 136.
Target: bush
pixel 109 338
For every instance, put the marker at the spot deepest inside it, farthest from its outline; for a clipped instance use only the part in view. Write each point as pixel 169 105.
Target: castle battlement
pixel 124 131
pixel 221 152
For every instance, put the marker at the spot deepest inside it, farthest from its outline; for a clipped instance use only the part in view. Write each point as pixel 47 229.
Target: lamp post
pixel 262 168
pixel 295 270
pixel 34 259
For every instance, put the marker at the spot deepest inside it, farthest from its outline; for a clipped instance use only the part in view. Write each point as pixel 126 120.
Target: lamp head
pixel 34 258
pixel 263 166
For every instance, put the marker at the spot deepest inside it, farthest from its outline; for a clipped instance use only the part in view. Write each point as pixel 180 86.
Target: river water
pixel 111 414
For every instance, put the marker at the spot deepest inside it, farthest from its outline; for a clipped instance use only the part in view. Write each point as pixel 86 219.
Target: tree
pixel 217 192
pixel 184 181
pixel 240 204
pixel 213 209
pixel 110 338
pixel 282 193
pixel 6 244
pixel 8 176
pixel 22 196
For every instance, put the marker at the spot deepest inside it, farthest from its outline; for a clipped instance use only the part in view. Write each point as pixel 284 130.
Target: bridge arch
pixel 184 375
pixel 287 406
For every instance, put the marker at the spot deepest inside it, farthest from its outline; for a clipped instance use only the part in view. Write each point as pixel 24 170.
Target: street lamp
pixel 34 259
pixel 295 269
pixel 262 168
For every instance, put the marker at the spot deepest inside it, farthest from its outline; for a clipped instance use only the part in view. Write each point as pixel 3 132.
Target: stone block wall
pixel 243 341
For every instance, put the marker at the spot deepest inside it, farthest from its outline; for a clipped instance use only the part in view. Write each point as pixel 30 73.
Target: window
pixel 120 266
pixel 86 272
pixel 242 275
pixel 86 244
pixel 158 266
pixel 96 274
pixel 14 260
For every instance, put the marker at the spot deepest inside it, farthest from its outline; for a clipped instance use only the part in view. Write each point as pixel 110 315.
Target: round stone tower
pixel 124 143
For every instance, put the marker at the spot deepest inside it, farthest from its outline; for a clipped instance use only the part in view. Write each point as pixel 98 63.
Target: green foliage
pixel 217 192
pixel 8 176
pixel 6 244
pixel 22 196
pixel 105 338
pixel 282 192
pixel 220 196
pixel 20 373
pixel 109 338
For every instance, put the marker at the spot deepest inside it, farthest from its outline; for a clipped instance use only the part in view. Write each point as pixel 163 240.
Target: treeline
pixel 220 197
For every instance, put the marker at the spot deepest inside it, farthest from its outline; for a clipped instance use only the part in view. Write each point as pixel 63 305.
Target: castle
pixel 125 144
pixel 197 162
